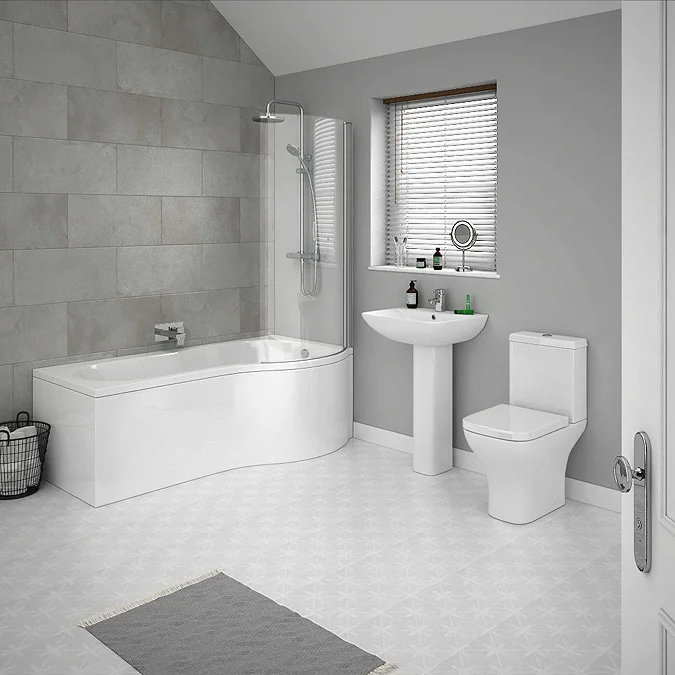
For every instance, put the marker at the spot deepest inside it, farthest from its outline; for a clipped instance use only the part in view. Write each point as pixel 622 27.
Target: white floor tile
pixel 408 567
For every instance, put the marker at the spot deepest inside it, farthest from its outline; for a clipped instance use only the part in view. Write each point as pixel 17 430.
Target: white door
pixel 648 325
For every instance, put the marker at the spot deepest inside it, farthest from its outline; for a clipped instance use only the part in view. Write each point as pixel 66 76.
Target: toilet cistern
pixel 432 337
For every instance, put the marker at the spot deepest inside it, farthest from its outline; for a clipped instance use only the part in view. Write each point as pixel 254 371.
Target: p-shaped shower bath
pixel 298 152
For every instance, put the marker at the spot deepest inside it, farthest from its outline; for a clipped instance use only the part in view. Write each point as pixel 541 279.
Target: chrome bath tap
pixel 173 331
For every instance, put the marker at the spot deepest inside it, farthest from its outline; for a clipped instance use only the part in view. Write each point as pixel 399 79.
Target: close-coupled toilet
pixel 524 446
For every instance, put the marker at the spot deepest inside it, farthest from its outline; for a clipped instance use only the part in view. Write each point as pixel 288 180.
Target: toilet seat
pixel 513 423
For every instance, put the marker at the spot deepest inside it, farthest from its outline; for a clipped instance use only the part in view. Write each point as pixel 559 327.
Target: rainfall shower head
pixel 293 150
pixel 268 118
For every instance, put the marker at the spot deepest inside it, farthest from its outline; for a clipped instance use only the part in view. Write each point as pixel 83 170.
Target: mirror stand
pixel 463 235
pixel 463 267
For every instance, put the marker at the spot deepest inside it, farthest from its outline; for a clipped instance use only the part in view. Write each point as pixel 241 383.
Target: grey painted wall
pixel 558 224
pixel 130 188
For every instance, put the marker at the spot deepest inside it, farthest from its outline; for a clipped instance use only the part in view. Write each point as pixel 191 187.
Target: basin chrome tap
pixel 174 331
pixel 438 301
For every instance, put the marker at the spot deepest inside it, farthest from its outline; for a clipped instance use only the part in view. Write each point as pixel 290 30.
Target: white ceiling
pixel 294 35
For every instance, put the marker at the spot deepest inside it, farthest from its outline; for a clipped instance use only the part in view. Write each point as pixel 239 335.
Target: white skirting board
pixel 580 491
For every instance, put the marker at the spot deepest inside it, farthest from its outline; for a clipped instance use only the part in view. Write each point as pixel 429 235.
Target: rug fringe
pixel 383 669
pixel 102 616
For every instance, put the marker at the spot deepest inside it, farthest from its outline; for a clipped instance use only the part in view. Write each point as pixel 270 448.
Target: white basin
pixel 432 335
pixel 425 327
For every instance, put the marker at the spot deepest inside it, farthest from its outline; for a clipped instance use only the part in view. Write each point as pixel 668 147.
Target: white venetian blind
pixel 325 184
pixel 441 168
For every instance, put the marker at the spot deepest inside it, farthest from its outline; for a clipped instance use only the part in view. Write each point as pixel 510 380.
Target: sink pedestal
pixel 432 335
pixel 432 409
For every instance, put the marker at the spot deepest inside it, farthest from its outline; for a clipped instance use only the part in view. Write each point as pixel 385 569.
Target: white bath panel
pixel 178 425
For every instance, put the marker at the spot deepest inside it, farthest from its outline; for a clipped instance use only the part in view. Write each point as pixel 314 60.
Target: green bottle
pixel 437 259
pixel 467 308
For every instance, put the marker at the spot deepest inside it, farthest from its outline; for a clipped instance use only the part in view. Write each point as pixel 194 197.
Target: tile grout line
pixel 140 246
pixel 252 155
pixel 128 297
pixel 117 65
pixel 67 221
pixel 249 105
pixel 13 31
pixel 14 279
pixel 92 36
pixel 124 92
pixel 161 122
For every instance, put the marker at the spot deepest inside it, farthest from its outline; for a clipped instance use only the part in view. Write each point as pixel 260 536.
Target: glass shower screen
pixel 309 237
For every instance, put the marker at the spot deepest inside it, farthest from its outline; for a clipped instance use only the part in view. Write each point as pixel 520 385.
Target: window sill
pixel 430 270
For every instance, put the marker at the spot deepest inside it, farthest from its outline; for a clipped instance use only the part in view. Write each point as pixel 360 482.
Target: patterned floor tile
pixel 408 567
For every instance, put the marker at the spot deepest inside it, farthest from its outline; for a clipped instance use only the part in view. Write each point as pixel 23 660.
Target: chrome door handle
pixel 625 478
pixel 624 475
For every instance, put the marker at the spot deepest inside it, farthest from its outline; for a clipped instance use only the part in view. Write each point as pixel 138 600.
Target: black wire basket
pixel 22 459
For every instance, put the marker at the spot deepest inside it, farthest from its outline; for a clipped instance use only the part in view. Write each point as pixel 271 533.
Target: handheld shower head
pixel 294 150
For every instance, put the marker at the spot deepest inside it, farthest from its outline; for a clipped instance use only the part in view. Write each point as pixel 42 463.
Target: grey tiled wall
pixel 130 181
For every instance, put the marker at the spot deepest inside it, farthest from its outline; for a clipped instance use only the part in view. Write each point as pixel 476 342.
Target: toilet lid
pixel 513 423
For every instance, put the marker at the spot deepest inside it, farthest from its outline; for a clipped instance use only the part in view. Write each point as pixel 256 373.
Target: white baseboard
pixel 467 460
pixel 597 495
pixel 580 491
pixel 389 439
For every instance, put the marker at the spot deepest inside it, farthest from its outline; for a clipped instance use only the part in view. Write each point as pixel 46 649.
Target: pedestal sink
pixel 432 335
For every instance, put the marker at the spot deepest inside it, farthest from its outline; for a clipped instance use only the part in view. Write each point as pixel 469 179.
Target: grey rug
pixel 215 624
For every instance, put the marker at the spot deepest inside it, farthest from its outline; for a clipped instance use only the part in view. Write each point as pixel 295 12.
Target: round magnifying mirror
pixel 463 236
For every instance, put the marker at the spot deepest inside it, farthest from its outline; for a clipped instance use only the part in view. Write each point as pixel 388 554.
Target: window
pixel 441 154
pixel 325 184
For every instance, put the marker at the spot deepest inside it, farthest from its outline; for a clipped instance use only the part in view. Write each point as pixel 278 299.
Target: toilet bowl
pixel 524 446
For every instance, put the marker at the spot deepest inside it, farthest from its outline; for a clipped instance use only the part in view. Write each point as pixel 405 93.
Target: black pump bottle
pixel 411 296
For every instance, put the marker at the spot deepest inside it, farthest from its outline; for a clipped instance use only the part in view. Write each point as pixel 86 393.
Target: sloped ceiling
pixel 294 35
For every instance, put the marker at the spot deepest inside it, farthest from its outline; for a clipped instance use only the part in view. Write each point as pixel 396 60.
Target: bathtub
pixel 128 425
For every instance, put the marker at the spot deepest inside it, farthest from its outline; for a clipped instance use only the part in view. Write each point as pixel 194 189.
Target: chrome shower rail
pixel 302 256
